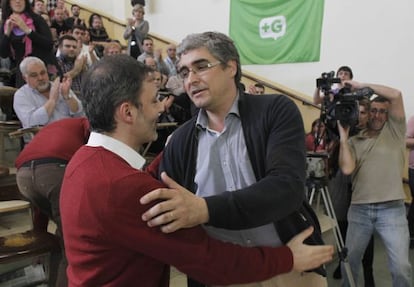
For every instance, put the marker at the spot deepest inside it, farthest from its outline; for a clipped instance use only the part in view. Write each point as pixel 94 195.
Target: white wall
pixel 371 36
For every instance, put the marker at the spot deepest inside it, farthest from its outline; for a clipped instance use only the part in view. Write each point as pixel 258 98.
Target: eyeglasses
pixel 197 68
pixel 379 111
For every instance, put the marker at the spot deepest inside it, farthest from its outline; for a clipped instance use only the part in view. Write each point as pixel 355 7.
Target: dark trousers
pixel 41 186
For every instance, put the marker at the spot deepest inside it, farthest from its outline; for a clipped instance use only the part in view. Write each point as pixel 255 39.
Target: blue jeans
pixel 389 220
pixel 410 215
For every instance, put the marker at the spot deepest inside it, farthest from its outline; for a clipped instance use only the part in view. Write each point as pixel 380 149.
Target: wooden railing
pixel 115 28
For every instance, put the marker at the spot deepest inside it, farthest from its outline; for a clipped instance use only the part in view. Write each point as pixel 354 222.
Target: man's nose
pixel 192 76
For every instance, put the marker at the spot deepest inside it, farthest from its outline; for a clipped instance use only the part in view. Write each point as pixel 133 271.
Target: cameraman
pixel 341 191
pixel 375 159
pixel 344 73
pixel 339 184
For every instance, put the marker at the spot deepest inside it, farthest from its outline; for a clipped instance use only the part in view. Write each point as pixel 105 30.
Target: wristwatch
pixel 68 97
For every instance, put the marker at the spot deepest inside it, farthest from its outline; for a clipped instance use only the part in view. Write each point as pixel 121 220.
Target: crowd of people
pixel 36 29
pixel 235 166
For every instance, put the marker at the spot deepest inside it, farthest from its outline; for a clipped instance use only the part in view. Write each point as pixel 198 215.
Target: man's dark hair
pixel 380 100
pixel 107 84
pixel 146 38
pixel 365 103
pixel 74 5
pixel 80 27
pixel 345 69
pixel 66 37
pixel 258 85
pixel 242 87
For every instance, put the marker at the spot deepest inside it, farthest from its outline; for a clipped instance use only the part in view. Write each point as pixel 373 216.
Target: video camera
pixel 326 81
pixel 339 105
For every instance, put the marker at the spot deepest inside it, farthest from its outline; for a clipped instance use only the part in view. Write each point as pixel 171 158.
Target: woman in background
pixel 96 29
pixel 315 140
pixel 136 30
pixel 24 33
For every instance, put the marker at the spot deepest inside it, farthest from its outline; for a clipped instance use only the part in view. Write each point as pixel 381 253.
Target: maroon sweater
pixel 107 243
pixel 60 139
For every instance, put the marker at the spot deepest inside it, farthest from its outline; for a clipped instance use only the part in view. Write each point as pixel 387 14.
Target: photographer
pixel 351 108
pixel 375 159
pixel 340 188
pixel 344 73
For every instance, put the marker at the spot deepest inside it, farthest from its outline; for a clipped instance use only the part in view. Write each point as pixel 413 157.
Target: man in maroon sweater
pixel 107 243
pixel 40 169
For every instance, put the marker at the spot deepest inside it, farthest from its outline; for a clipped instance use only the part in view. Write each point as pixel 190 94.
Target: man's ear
pixel 125 112
pixel 232 66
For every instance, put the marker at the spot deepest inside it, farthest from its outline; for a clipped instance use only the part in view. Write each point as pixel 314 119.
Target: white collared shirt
pixel 132 157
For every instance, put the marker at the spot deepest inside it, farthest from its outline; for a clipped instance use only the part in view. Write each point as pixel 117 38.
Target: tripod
pixel 320 184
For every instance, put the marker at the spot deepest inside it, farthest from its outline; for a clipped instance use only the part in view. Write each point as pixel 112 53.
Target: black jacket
pixel 275 140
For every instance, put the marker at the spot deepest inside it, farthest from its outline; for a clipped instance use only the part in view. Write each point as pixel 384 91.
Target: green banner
pixel 277 31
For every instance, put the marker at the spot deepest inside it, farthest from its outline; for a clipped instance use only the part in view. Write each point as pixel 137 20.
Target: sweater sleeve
pixel 190 250
pixel 4 44
pixel 41 36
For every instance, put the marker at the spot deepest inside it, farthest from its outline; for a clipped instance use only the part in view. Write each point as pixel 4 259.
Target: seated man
pixel 40 101
pixel 106 242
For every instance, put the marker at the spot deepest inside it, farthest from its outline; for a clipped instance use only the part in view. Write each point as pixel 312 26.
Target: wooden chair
pixel 22 249
pixel 8 124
